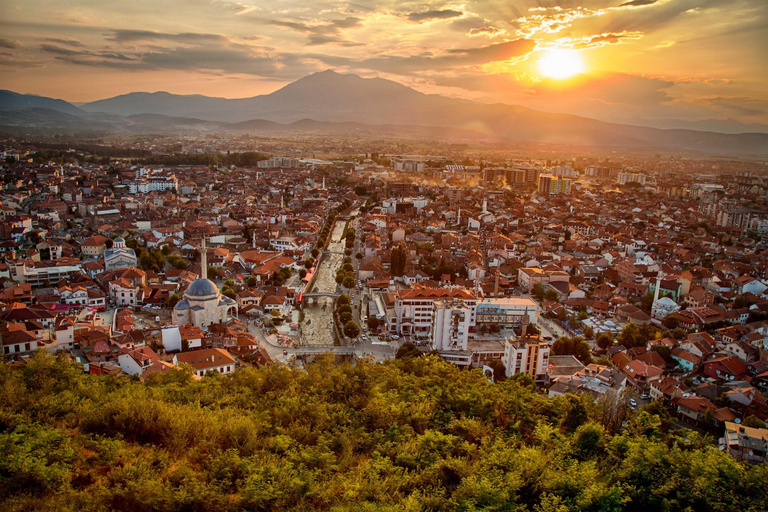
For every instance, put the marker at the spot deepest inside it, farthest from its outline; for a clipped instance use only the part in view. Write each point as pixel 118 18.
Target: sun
pixel 560 63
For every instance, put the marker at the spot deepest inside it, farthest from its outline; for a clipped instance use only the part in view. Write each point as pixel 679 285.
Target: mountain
pixel 325 96
pixel 708 125
pixel 10 99
pixel 330 101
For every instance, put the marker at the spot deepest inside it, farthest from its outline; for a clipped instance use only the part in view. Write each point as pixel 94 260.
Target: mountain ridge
pixel 380 104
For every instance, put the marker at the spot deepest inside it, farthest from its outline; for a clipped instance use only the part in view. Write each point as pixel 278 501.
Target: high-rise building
pixel 527 354
pixel 549 184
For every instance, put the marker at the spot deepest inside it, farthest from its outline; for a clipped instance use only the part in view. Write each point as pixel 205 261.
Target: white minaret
pixel 485 205
pixel 204 260
pixel 282 203
pixel 656 293
pixel 323 182
pixel 458 222
pixel 253 239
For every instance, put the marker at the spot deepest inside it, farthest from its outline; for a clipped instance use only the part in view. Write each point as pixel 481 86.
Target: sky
pixel 632 60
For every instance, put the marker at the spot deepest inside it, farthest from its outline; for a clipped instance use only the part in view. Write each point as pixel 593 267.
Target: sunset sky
pixel 628 61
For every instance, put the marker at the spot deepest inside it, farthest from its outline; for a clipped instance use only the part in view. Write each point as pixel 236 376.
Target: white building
pixel 153 184
pixel 452 321
pixel 414 308
pixel 135 361
pixel 210 359
pixel 529 355
pixel 40 274
pixel 626 177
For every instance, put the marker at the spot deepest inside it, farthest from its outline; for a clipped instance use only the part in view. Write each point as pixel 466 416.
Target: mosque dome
pixel 201 289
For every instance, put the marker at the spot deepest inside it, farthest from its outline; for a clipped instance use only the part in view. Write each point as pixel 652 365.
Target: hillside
pixel 13 100
pixel 412 434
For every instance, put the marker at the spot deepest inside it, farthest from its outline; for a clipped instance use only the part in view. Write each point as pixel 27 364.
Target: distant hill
pixel 329 101
pixel 10 99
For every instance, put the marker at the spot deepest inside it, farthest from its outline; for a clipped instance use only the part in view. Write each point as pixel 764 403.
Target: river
pixel 317 326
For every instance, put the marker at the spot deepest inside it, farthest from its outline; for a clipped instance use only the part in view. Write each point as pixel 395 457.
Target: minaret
pixel 459 221
pixel 253 239
pixel 282 203
pixel 323 182
pixel 204 260
pixel 485 205
pixel 656 293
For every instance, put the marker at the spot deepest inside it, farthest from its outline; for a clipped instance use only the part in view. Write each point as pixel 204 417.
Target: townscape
pixel 635 277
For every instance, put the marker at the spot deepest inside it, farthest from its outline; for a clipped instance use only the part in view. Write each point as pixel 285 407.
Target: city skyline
pixel 636 62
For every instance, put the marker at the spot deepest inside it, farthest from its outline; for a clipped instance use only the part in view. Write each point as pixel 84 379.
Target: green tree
pixel 398 259
pixel 407 350
pixel 604 341
pixel 671 322
pixel 573 346
pixel 753 421
pixel 630 336
pixel 229 292
pixel 173 300
pixel 213 272
pixel 351 329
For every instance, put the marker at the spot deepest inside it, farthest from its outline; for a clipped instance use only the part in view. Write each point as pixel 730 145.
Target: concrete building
pixel 529 355
pixel 550 185
pixel 451 324
pixel 506 312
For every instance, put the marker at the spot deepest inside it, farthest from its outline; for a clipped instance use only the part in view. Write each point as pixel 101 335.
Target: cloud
pixel 474 26
pixel 66 41
pixel 434 15
pixel 452 58
pixel 738 106
pixel 638 3
pixel 553 22
pixel 322 33
pixel 127 36
pixel 66 52
pixel 10 43
pixel 598 40
pixel 611 90
pixel 225 57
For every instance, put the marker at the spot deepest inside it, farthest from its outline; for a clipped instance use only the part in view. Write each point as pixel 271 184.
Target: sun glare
pixel 559 64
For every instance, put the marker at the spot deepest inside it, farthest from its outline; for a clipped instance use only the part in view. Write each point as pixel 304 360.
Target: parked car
pixel 632 402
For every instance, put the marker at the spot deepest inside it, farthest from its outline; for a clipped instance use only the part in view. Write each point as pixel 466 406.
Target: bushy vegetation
pixel 411 434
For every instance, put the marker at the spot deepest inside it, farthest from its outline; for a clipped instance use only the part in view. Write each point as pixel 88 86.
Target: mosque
pixel 203 304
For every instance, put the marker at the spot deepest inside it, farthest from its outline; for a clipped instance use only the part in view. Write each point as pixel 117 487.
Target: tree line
pixel 409 434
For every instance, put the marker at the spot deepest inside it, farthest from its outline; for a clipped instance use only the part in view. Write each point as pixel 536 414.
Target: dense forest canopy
pixel 411 434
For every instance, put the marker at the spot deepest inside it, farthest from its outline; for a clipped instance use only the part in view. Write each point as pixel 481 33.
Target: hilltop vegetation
pixel 412 434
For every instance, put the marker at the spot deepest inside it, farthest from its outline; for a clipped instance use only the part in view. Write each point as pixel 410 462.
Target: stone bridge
pixel 315 296
pixel 316 351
